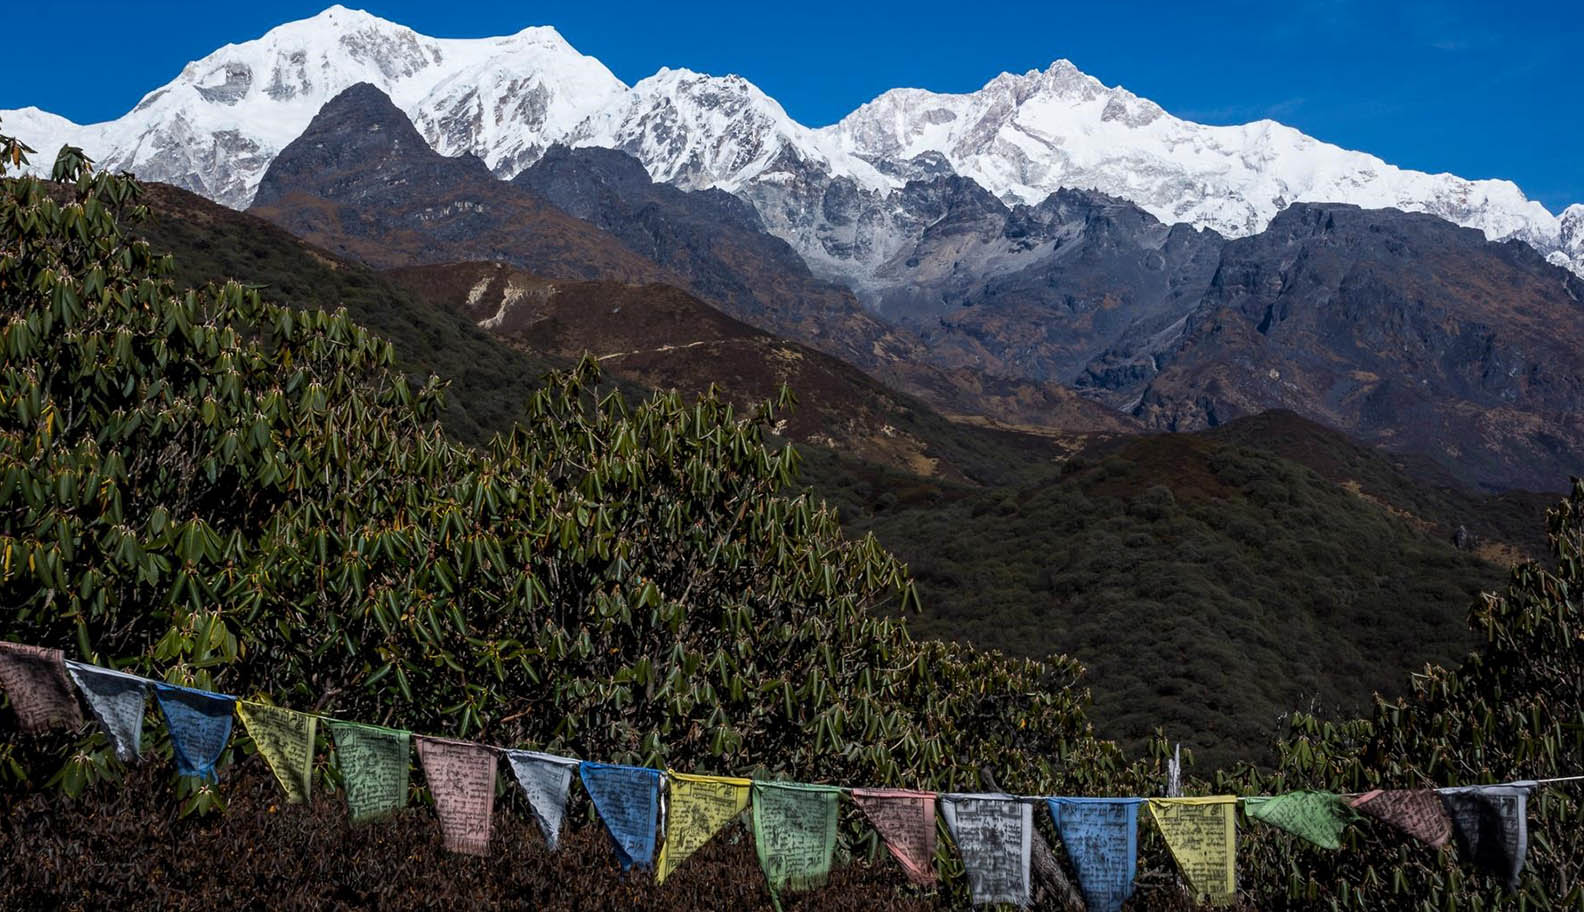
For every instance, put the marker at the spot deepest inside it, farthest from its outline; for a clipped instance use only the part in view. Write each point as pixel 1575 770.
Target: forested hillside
pixel 1235 612
pixel 212 488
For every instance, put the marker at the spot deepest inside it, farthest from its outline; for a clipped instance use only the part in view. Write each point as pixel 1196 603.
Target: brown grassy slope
pixel 661 337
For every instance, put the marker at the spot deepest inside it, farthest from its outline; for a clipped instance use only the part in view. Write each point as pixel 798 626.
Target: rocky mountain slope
pixel 1399 328
pixel 829 191
pixel 360 183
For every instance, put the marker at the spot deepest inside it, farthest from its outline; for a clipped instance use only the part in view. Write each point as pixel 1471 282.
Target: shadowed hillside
pixel 1208 587
pixel 1277 569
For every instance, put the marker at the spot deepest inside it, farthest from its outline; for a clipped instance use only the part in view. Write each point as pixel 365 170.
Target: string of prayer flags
pixel 461 778
pixel 285 738
pixel 905 821
pixel 200 726
pixel 1491 826
pixel 794 830
pixel 373 764
pixel 1417 812
pixel 994 834
pixel 117 700
pixel 794 824
pixel 1101 837
pixel 1202 836
pixel 699 807
pixel 627 799
pixel 1319 817
pixel 545 779
pixel 35 680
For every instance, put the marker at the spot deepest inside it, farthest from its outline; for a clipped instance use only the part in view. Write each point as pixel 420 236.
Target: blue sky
pixel 1480 90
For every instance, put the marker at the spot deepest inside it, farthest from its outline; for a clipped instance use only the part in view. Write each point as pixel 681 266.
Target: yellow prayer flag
pixel 699 807
pixel 1202 836
pixel 286 739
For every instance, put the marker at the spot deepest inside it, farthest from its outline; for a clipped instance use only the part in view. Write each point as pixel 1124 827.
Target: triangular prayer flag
pixel 35 680
pixel 1319 817
pixel 993 834
pixel 699 806
pixel 118 701
pixel 200 726
pixel 794 829
pixel 461 778
pixel 627 799
pixel 1491 826
pixel 1417 812
pixel 1101 837
pixel 905 821
pixel 545 779
pixel 285 738
pixel 373 761
pixel 1202 836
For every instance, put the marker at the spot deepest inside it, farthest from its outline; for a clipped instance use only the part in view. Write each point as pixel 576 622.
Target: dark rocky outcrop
pixel 1402 329
pixel 1399 328
pixel 361 182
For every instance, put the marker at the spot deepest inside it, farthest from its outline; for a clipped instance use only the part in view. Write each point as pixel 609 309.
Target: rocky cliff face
pixel 1396 327
pixel 1399 328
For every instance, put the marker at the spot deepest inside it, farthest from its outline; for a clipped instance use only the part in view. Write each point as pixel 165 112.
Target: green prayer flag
pixel 1318 817
pixel 286 739
pixel 373 762
pixel 794 834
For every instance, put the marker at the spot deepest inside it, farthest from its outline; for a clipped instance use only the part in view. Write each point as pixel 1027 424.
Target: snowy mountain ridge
pixel 833 192
pixel 219 123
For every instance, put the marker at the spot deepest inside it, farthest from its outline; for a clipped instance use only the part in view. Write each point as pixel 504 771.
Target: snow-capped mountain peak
pixel 697 130
pixel 833 190
pixel 217 126
pixel 1026 136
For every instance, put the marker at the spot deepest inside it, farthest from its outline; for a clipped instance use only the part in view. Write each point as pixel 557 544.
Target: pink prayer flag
pixel 1417 812
pixel 906 821
pixel 35 680
pixel 461 778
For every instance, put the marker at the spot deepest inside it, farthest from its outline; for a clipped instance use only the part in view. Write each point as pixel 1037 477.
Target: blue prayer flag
pixel 1101 837
pixel 200 726
pixel 628 801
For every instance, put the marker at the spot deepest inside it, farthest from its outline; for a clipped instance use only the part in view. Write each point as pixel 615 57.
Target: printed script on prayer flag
pixel 1101 837
pixel 699 807
pixel 200 726
pixel 545 779
pixel 993 835
pixel 1417 812
pixel 906 823
pixel 461 777
pixel 118 700
pixel 794 834
pixel 1319 817
pixel 1491 825
pixel 628 801
pixel 35 680
pixel 1202 836
pixel 285 738
pixel 373 764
